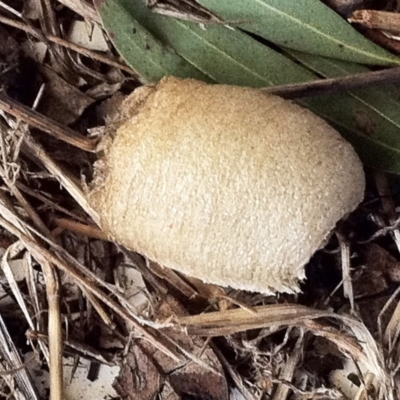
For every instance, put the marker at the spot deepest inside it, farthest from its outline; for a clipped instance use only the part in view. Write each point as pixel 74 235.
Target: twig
pixel 346 270
pixel 336 85
pixel 45 124
pixel 65 43
pixel 10 9
pixel 374 19
pixel 54 329
pixel 82 229
pixel 382 40
pixel 48 202
pixel 86 350
pixel 69 183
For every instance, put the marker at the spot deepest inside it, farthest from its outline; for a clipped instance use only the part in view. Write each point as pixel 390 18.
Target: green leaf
pixel 305 25
pixel 225 55
pixel 370 117
pixel 233 57
pixel 146 55
pixel 375 136
pixel 378 155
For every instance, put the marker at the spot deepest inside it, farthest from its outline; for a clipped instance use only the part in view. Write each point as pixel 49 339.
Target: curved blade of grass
pixel 150 58
pixel 305 25
pixel 225 55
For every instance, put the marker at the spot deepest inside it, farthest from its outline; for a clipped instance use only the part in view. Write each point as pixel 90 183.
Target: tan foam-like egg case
pixel 224 183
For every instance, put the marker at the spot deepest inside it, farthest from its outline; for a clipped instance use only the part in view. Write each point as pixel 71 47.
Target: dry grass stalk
pixel 80 348
pixel 53 298
pixel 346 263
pixel 39 121
pixel 358 343
pixel 68 182
pixel 282 390
pixel 91 231
pixel 164 344
pixel 68 45
pixel 25 388
pixel 86 281
pixel 52 288
pixel 82 8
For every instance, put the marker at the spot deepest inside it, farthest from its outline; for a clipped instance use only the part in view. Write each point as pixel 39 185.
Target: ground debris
pixel 128 325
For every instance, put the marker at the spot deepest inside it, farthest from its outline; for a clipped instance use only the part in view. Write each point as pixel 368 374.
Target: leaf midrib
pixel 310 27
pixel 225 55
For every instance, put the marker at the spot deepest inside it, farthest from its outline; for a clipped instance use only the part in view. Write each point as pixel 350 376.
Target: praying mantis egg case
pixel 224 183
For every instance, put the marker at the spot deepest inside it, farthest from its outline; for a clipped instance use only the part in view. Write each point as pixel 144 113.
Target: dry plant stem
pixel 53 299
pixel 81 229
pixel 390 335
pixel 99 309
pixel 54 324
pixel 10 182
pixel 48 19
pixel 12 371
pixel 74 189
pixel 228 322
pixel 50 26
pixel 345 258
pixel 374 19
pixel 142 266
pixel 54 329
pixel 383 40
pixel 9 353
pixel 82 8
pixel 10 9
pixel 53 128
pixel 173 278
pixel 239 320
pixel 69 183
pixel 236 378
pixel 239 303
pixel 336 85
pixel 30 211
pixel 86 350
pixel 361 348
pixel 392 330
pixel 88 284
pixel 47 201
pixel 68 45
pixel 282 391
pixel 146 334
pixel 33 294
pixel 12 252
pixel 41 254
